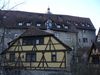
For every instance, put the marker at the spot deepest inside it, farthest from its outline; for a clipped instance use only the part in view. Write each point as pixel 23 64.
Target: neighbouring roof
pixel 96 44
pixel 66 22
pixel 33 31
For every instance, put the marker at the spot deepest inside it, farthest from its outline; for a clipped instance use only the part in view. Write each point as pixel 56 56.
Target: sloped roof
pixel 33 31
pixel 13 17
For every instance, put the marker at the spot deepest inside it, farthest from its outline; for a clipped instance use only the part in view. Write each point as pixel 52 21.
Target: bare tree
pixel 4 6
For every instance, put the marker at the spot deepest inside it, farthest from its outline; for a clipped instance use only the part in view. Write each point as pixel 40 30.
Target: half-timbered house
pixel 36 50
pixel 94 54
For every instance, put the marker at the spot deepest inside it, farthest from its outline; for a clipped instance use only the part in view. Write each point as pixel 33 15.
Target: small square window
pixel 38 25
pixel 28 24
pixel 83 24
pixel 85 40
pixel 57 34
pixel 31 56
pixel 20 24
pixel 12 57
pixel 84 31
pixel 16 35
pixel 53 57
pixel 37 41
pixel 66 27
pixel 4 17
pixel 76 24
pixel 58 26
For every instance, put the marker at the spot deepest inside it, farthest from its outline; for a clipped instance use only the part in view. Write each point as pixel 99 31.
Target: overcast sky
pixel 82 8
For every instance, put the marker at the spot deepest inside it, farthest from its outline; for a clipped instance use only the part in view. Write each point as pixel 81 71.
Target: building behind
pixel 77 32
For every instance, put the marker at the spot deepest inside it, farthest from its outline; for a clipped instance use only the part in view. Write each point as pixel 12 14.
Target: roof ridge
pixel 33 31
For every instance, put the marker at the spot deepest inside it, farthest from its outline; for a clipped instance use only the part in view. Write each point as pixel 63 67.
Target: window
pixel 76 24
pixel 20 23
pixel 98 39
pixel 37 41
pixel 48 24
pixel 31 56
pixel 69 22
pixel 88 25
pixel 53 57
pixel 95 59
pixel 38 25
pixel 4 17
pixel 33 41
pixel 83 24
pixel 58 26
pixel 12 57
pixel 79 40
pixel 28 24
pixel 85 40
pixel 28 41
pixel 84 31
pixel 16 35
pixel 66 27
pixel 57 34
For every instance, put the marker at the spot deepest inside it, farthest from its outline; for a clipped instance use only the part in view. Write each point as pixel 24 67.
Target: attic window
pixel 20 23
pixel 4 17
pixel 16 35
pixel 98 39
pixel 28 24
pixel 76 24
pixel 83 24
pixel 66 27
pixel 38 25
pixel 88 25
pixel 68 22
pixel 58 26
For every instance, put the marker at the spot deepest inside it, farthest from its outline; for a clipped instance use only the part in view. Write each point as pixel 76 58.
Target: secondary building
pixel 36 50
pixel 76 32
pixel 94 53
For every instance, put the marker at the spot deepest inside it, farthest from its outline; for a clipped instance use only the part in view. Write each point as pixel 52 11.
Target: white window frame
pixel 66 27
pixel 28 24
pixel 58 26
pixel 38 25
pixel 20 23
pixel 37 41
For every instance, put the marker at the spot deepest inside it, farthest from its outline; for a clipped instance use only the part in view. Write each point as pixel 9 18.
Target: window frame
pixel 33 41
pixel 31 56
pixel 53 56
pixel 12 57
pixel 85 40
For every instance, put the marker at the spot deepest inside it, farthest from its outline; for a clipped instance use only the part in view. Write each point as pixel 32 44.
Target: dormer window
pixel 28 24
pixel 76 24
pixel 20 23
pixel 48 24
pixel 88 25
pixel 84 31
pixel 83 24
pixel 68 22
pixel 98 39
pixel 38 25
pixel 66 27
pixel 16 35
pixel 58 26
pixel 4 17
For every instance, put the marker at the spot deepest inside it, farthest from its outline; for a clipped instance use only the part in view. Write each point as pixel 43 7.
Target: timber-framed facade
pixel 36 50
pixel 94 53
